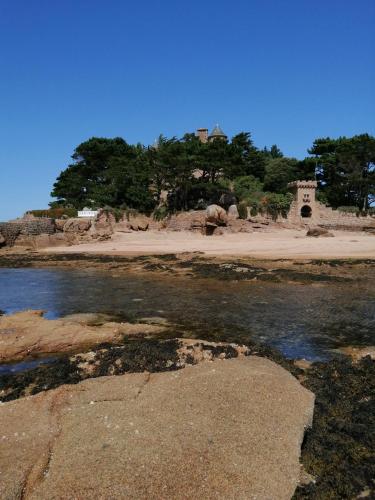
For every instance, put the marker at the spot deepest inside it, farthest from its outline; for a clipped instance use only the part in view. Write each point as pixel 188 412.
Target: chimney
pixel 202 133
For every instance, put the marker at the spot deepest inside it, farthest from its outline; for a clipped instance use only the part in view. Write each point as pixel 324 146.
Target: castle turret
pixel 303 205
pixel 217 133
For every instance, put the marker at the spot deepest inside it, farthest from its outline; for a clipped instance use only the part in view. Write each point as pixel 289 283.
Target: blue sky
pixel 287 71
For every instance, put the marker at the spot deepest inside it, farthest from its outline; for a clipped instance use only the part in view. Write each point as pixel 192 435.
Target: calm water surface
pixel 300 320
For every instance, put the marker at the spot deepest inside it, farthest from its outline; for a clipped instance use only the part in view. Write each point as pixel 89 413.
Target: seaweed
pixel 239 271
pixel 339 449
pixel 42 378
pixel 136 356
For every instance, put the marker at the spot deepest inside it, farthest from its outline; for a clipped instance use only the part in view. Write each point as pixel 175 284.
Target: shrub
pixel 242 210
pixel 275 204
pixel 54 213
pixel 349 210
pixel 246 186
pixel 160 213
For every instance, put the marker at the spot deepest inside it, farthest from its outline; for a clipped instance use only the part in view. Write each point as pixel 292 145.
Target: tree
pixel 246 159
pixel 106 172
pixel 273 152
pixel 346 169
pixel 280 171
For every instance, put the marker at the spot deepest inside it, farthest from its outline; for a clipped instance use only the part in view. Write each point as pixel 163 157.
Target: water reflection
pixel 300 320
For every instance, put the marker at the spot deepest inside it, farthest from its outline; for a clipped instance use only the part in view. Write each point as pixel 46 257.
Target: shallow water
pixel 300 320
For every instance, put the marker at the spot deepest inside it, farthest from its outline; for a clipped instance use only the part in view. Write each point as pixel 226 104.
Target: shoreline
pixel 263 244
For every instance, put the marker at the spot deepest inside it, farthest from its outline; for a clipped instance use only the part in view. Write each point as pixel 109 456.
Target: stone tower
pixel 303 207
pixel 202 134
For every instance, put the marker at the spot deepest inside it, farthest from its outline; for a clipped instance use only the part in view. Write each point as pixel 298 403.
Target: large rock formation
pixel 216 216
pixel 219 430
pixel 27 333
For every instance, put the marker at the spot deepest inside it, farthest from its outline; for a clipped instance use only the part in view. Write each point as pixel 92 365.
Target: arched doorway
pixel 306 211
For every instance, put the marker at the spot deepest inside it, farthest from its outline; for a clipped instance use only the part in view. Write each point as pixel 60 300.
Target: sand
pixel 275 243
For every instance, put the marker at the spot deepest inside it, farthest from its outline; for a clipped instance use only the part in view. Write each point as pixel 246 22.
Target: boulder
pixel 77 225
pixel 122 227
pixel 216 215
pixel 319 231
pixel 233 212
pixel 59 224
pixel 138 223
pixel 218 430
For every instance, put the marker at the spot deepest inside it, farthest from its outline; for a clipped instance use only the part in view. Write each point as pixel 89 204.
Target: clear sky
pixel 288 71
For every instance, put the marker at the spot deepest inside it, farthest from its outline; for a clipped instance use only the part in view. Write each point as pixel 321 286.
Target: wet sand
pixel 278 243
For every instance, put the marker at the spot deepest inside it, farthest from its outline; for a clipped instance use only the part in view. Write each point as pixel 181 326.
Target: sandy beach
pixel 278 243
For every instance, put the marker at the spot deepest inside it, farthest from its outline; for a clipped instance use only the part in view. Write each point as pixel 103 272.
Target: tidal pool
pixel 302 321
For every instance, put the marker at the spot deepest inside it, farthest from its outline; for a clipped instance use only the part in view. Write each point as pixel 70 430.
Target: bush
pixel 245 186
pixel 242 210
pixel 54 213
pixel 349 210
pixel 160 213
pixel 276 204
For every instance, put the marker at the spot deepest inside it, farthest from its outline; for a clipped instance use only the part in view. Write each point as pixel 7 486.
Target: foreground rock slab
pixel 27 333
pixel 225 429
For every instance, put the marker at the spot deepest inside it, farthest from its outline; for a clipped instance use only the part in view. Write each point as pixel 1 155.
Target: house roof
pixel 217 132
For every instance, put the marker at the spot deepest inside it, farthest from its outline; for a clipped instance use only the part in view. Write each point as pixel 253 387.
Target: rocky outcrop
pixel 103 225
pixel 217 430
pixel 77 225
pixel 26 334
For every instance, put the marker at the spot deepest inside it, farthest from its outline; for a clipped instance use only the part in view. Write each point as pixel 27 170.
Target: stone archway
pixel 306 211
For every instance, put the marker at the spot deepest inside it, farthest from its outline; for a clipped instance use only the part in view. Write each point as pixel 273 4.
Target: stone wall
pixel 34 227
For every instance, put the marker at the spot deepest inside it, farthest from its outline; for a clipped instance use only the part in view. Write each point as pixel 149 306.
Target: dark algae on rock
pixel 339 450
pixel 136 356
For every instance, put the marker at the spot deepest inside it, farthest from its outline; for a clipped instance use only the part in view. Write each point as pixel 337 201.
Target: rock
pixel 319 231
pixel 216 215
pixel 220 430
pixel 59 224
pixel 233 212
pixel 357 353
pixel 77 225
pixel 2 240
pixel 122 227
pixel 27 333
pixel 138 223
pixel 102 227
pixel 227 199
pixel 49 240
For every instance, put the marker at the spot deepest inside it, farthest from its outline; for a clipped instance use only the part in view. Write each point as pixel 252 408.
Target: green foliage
pixel 245 186
pixel 273 152
pixel 118 213
pixel 160 213
pixel 349 210
pixel 111 172
pixel 277 203
pixel 346 169
pixel 242 210
pixel 106 172
pixel 54 213
pixel 280 171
